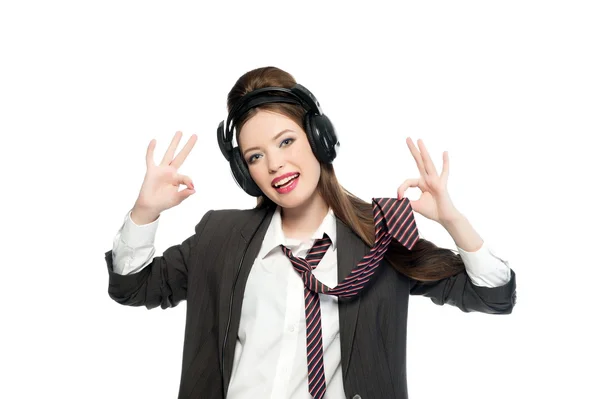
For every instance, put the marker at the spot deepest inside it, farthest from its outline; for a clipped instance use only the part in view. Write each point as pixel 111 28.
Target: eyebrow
pixel 273 139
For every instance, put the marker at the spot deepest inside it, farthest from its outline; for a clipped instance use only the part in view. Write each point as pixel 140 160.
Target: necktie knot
pixel 304 266
pixel 318 250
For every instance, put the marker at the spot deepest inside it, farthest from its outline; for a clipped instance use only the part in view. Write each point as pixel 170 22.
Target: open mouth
pixel 284 183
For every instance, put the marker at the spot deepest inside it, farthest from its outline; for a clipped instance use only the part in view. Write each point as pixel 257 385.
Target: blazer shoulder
pixel 227 218
pixel 234 214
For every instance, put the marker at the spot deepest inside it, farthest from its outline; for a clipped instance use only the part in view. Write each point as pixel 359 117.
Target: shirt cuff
pixel 485 268
pixel 135 235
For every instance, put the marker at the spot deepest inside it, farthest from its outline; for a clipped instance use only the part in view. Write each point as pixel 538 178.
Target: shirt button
pixel 292 328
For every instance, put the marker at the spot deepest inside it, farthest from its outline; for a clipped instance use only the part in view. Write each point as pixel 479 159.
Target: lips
pixel 279 178
pixel 287 186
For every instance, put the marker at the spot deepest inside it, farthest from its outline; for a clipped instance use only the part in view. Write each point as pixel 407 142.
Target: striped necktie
pixel 392 219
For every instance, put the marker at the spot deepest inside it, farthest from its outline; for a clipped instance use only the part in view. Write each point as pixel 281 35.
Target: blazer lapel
pixel 350 250
pixel 245 244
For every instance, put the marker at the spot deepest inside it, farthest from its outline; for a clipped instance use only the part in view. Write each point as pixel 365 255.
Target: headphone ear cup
pixel 242 175
pixel 321 136
pixel 329 142
pixel 308 128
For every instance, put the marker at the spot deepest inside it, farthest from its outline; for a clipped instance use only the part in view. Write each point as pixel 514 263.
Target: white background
pixel 510 89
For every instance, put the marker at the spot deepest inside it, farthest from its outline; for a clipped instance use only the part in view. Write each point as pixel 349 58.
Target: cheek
pixel 261 176
pixel 310 163
pixel 257 175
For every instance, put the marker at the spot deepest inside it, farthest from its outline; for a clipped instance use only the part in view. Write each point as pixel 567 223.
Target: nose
pixel 275 163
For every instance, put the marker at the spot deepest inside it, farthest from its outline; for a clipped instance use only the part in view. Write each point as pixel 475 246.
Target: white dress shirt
pixel 270 352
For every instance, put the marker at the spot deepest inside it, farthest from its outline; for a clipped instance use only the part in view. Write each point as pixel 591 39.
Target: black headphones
pixel 319 129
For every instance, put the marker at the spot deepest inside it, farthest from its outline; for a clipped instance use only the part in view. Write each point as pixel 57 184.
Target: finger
pixel 171 150
pixel 150 153
pixel 184 152
pixel 417 156
pixel 446 167
pixel 185 180
pixel 406 184
pixel 429 165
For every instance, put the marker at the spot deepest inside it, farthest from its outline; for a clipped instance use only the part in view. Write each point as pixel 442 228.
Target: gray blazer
pixel 207 270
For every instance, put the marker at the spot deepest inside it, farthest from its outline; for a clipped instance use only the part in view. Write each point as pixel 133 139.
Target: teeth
pixel 285 181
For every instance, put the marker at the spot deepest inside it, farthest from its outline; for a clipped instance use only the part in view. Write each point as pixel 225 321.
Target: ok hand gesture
pixel 160 189
pixel 434 203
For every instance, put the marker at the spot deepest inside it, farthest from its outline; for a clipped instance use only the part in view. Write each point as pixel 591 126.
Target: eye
pixel 288 141
pixel 251 158
pixel 284 143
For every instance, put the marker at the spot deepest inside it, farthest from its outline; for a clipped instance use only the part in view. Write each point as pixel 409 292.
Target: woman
pixel 256 326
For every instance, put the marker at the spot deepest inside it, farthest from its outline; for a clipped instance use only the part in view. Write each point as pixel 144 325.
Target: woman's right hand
pixel 160 189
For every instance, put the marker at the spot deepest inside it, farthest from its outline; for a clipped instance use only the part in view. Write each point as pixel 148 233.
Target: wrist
pixel 452 220
pixel 142 216
pixel 463 233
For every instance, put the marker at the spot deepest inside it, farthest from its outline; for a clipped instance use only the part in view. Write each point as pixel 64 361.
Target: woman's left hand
pixel 434 203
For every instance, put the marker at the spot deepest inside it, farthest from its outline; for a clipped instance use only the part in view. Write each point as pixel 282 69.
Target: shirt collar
pixel 275 237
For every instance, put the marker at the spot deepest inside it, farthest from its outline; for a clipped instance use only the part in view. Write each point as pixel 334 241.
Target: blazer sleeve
pixel 459 291
pixel 163 282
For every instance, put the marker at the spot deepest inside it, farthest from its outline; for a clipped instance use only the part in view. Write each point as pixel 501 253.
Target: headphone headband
pixel 250 103
pixel 298 94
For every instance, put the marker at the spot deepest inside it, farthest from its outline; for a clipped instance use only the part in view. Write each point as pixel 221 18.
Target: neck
pixel 300 222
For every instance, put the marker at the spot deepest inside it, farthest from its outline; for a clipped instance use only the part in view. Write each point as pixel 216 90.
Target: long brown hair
pixel 425 262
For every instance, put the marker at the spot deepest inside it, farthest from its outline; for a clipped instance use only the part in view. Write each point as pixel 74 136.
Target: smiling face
pixel 275 146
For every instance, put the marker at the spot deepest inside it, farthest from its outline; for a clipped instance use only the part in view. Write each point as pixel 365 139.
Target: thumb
pixel 184 194
pixel 415 205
